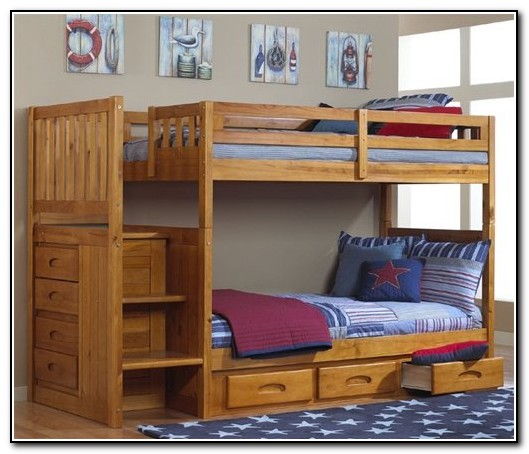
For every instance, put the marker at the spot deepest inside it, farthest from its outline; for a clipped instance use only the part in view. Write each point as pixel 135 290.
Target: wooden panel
pixel 57 296
pixel 357 380
pixel 136 330
pixel 56 335
pixel 56 368
pixel 57 263
pixel 136 248
pixel 269 388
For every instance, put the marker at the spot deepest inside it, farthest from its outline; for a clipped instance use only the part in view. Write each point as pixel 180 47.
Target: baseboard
pixel 20 394
pixel 504 338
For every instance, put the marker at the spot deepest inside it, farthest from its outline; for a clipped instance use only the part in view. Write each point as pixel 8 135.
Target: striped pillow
pixel 421 100
pixel 452 272
pixel 373 241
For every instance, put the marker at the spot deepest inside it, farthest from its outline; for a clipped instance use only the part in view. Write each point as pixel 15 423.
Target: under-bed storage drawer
pixel 343 381
pixel 57 263
pixel 269 388
pixel 455 376
pixel 56 368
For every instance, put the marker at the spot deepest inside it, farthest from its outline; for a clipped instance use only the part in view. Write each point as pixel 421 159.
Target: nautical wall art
pixel 94 43
pixel 274 54
pixel 349 58
pixel 186 48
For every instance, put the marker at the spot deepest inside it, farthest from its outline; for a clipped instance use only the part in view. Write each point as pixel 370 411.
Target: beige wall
pixel 268 237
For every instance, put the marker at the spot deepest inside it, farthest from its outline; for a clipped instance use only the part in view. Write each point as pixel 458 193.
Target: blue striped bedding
pixel 348 318
pixel 136 150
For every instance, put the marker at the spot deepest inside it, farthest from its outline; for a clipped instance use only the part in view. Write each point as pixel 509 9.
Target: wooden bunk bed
pixel 119 317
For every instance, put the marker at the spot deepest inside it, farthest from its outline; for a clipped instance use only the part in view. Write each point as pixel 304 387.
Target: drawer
pixel 455 376
pixel 269 388
pixel 57 263
pixel 57 296
pixel 56 368
pixel 344 381
pixel 56 335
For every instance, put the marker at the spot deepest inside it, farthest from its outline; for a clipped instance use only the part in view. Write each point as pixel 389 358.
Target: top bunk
pixel 266 142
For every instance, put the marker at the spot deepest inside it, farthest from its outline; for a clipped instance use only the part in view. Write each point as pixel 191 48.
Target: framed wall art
pixel 95 44
pixel 349 58
pixel 274 54
pixel 186 48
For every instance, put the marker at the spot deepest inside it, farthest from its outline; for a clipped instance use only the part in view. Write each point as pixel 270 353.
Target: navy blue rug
pixel 480 416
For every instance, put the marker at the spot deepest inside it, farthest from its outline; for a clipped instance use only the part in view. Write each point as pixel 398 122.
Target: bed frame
pixel 119 317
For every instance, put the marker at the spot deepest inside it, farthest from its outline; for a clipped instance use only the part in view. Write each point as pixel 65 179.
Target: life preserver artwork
pixel 274 54
pixel 186 48
pixel 349 58
pixel 94 43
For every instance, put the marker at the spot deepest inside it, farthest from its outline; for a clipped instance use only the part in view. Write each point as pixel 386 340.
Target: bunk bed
pixel 120 316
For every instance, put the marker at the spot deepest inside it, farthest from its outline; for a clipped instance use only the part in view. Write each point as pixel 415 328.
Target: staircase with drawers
pixel 72 347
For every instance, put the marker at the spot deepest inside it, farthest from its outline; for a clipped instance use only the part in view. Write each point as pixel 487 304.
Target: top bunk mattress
pixel 136 150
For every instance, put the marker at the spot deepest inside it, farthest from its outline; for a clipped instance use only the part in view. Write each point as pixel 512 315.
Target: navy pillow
pixel 340 126
pixel 391 280
pixel 461 351
pixel 350 262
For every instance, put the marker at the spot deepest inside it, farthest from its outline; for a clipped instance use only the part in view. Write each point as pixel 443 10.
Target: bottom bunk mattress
pixel 348 318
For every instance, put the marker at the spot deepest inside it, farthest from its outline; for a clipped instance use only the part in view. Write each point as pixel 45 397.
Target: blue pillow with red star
pixel 391 280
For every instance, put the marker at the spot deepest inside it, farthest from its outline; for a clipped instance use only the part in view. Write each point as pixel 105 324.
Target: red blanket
pixel 264 324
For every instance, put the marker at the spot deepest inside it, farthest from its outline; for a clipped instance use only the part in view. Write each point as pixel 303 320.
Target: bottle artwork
pixel 293 64
pixel 259 62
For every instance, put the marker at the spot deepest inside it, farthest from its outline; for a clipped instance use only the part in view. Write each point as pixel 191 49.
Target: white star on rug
pixel 432 413
pixel 470 421
pixel 439 431
pixel 508 428
pixel 454 407
pixel 223 434
pixel 427 422
pixel 276 431
pixel 349 421
pixel 241 426
pixel 399 409
pixel 480 435
pixel 353 407
pixel 386 423
pixel 326 432
pixel 308 414
pixel 190 424
pixel 414 402
pixel 500 409
pixel 263 418
pixel 379 431
pixel 304 424
pixel 150 427
pixel 478 414
pixel 386 416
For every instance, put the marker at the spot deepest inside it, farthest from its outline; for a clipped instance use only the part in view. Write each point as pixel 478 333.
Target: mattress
pixel 348 318
pixel 136 150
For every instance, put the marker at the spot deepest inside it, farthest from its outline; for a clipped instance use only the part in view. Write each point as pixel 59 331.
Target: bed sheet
pixel 348 318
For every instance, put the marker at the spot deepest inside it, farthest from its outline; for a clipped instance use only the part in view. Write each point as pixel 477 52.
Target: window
pixel 484 85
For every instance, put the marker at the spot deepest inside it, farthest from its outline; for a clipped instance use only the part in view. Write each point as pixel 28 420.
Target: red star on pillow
pixel 388 274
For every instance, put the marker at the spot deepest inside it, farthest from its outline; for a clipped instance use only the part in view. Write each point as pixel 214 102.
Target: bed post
pixel 205 221
pixel 385 209
pixel 489 233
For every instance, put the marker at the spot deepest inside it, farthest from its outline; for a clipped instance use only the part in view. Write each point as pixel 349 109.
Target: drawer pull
pixel 54 296
pixel 56 335
pixel 358 380
pixel 53 262
pixel 470 374
pixel 52 367
pixel 272 388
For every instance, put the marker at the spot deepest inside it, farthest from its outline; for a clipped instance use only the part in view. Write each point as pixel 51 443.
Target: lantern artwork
pixel 348 60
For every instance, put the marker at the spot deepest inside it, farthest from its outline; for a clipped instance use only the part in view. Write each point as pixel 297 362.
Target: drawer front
pixel 56 368
pixel 344 381
pixel 57 296
pixel 467 375
pixel 269 388
pixel 56 335
pixel 57 263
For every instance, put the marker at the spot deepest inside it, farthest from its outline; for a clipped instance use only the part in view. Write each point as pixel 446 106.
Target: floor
pixel 32 421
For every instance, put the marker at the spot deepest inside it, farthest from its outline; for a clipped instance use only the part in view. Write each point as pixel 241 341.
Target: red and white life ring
pixel 88 27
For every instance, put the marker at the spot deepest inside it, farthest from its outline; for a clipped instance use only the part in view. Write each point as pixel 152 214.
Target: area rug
pixel 484 415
